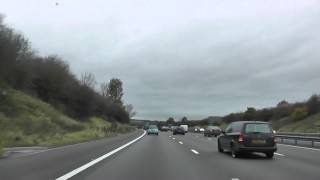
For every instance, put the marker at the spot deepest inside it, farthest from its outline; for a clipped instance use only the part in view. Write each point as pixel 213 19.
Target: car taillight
pixel 274 139
pixel 240 140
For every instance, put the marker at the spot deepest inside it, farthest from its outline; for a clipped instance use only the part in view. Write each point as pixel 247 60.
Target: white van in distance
pixel 185 127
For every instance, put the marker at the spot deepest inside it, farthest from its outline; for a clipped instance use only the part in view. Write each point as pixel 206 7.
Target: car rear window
pixel 153 127
pixel 260 128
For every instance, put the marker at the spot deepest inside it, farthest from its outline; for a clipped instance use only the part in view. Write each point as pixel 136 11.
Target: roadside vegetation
pixel 27 121
pixel 285 117
pixel 303 117
pixel 43 103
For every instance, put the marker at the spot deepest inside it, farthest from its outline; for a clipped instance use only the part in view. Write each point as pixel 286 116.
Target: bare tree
pixel 88 79
pixel 130 110
pixel 104 89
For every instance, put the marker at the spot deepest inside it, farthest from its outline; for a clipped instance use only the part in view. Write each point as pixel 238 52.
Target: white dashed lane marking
pixel 180 142
pixel 278 154
pixel 194 151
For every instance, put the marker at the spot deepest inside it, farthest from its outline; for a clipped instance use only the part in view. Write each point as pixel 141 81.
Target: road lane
pixel 59 161
pixel 154 157
pixel 296 164
pixel 192 156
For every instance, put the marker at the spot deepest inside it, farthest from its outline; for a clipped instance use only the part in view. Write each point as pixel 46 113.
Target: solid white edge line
pixel 299 147
pixel 180 142
pixel 279 154
pixel 91 163
pixel 194 151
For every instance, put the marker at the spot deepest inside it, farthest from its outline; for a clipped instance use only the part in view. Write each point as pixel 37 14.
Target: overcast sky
pixel 177 58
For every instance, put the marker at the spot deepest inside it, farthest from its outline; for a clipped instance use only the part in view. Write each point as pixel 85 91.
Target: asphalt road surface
pixel 162 157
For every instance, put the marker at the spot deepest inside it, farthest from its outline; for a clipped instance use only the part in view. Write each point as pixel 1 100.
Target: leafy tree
pixel 283 103
pixel 170 120
pixel 184 120
pixel 250 114
pixel 264 115
pixel 313 104
pixel 115 91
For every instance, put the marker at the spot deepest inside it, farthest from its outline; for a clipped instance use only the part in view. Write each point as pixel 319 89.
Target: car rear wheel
pixel 269 155
pixel 234 153
pixel 219 147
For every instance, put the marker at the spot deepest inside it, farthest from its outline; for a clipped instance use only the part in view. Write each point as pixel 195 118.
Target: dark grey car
pixel 178 130
pixel 248 136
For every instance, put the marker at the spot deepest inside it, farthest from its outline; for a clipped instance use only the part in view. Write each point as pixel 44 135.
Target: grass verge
pixel 310 124
pixel 28 121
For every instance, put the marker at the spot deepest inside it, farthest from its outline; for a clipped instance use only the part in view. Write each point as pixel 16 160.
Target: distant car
pixel 196 129
pixel 164 128
pixel 153 129
pixel 212 131
pixel 201 130
pixel 185 127
pixel 178 130
pixel 173 127
pixel 248 136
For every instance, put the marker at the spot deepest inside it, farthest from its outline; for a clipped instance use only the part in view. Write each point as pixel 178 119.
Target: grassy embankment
pixel 27 121
pixel 310 124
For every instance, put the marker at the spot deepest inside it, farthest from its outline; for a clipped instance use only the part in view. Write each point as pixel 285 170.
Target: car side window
pixel 237 127
pixel 229 128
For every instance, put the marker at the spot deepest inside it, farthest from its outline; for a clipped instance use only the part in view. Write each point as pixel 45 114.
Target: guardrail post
pixel 312 143
pixel 295 141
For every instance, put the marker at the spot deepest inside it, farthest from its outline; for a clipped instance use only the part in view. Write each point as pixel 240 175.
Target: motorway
pixel 192 156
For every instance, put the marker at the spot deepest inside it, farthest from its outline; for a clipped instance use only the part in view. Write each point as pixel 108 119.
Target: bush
pixel 299 113
pixel 313 104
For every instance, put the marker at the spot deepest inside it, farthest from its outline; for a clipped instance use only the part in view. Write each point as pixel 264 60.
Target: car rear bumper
pixel 179 132
pixel 243 148
pixel 212 133
pixel 152 132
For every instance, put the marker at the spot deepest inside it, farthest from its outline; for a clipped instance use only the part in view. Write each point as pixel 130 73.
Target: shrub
pixel 299 113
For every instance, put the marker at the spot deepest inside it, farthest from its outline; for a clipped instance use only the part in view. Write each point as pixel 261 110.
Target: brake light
pixel 240 140
pixel 275 139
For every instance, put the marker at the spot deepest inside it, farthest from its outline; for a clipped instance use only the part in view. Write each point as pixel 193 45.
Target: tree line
pixel 295 111
pixel 50 79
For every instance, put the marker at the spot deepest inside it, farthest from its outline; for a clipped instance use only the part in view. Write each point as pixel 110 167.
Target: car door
pixel 224 139
pixel 229 136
